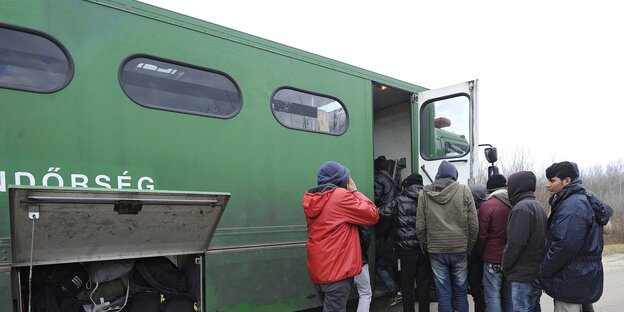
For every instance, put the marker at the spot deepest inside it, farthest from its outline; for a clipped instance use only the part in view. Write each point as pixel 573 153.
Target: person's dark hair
pixel 381 163
pixel 495 182
pixel 413 178
pixel 562 170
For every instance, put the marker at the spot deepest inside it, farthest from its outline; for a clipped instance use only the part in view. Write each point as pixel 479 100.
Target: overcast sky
pixel 550 72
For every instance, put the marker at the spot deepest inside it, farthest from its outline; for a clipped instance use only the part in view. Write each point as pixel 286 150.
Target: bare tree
pixel 517 160
pixel 509 163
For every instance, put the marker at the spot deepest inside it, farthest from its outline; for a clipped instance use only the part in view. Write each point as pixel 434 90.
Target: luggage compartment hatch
pixel 77 225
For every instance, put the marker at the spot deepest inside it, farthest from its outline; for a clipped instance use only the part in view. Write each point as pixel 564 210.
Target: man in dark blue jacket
pixel 571 271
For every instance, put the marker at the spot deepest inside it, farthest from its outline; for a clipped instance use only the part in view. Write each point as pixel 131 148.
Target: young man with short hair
pixel 571 272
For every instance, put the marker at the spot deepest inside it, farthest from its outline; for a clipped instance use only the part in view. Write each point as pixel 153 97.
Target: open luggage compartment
pixel 53 228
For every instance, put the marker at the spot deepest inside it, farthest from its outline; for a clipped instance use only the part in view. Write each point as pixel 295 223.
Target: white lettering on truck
pixel 53 177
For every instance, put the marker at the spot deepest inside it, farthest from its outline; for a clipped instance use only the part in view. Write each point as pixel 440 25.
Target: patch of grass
pixel 613 248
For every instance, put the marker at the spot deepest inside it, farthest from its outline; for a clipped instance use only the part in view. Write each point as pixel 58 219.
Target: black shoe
pixel 396 299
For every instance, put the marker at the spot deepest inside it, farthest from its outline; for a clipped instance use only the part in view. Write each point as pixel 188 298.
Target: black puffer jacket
pixel 385 189
pixel 365 239
pixel 401 212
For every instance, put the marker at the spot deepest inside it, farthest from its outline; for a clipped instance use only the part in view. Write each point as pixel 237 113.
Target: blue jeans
pixel 526 296
pixel 497 289
pixel 387 280
pixel 450 272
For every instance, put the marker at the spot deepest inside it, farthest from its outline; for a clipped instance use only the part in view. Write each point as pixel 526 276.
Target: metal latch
pixel 33 212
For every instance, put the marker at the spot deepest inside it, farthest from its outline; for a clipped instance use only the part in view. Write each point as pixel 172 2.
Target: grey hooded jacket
pixel 446 217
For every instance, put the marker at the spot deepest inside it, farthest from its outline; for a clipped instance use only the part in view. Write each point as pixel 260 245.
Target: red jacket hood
pixel 316 198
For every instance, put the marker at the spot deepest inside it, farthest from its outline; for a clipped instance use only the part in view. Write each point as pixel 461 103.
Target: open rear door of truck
pixel 445 128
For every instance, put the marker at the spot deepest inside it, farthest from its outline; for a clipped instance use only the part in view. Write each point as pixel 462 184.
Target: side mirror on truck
pixel 491 155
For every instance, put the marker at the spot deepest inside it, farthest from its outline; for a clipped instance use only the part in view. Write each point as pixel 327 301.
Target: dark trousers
pixel 334 296
pixel 475 281
pixel 415 266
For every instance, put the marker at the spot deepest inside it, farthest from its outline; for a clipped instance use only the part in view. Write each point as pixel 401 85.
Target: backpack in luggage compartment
pixel 65 280
pixel 54 287
pixel 158 274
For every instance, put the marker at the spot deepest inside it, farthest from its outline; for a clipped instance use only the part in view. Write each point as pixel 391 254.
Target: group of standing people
pixel 511 242
pixel 525 252
pixel 496 238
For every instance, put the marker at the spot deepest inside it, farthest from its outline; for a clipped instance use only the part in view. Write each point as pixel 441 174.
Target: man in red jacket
pixel 491 241
pixel 333 210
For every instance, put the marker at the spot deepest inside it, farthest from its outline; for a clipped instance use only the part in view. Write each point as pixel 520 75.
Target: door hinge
pixel 414 98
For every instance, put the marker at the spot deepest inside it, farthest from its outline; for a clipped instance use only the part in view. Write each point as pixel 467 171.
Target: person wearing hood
pixel 446 223
pixel 333 210
pixel 526 231
pixel 414 263
pixel 574 240
pixel 492 238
